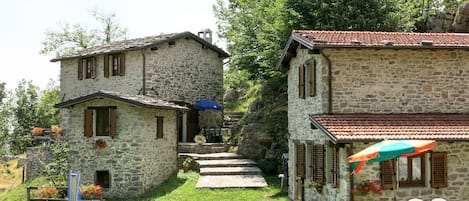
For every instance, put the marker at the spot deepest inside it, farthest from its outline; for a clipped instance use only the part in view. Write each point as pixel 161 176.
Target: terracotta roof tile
pixel 376 127
pixel 382 39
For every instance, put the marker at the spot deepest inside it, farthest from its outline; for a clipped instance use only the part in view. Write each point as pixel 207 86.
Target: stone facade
pixel 184 72
pixel 381 81
pixel 135 159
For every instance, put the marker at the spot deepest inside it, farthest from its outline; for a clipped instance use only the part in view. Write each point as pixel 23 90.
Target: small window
pixel 411 171
pixel 311 78
pixel 115 63
pixel 100 121
pixel 159 127
pixel 89 66
pixel 103 178
pixel 301 81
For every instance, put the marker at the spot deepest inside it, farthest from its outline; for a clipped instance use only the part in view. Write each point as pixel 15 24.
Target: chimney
pixel 205 34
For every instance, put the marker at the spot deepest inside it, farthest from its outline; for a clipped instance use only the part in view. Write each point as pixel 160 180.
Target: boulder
pixel 251 149
pixel 461 21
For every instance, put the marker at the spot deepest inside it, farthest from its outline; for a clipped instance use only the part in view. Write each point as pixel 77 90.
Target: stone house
pixel 136 95
pixel 348 90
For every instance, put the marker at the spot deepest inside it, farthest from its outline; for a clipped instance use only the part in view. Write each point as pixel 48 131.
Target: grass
pixel 10 175
pixel 180 187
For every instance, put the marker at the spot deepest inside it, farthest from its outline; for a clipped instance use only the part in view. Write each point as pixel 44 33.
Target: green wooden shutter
pixel 106 65
pixel 301 81
pixel 80 69
pixel 387 173
pixel 318 163
pixel 112 123
pixel 439 170
pixel 122 64
pixel 88 123
pixel 300 160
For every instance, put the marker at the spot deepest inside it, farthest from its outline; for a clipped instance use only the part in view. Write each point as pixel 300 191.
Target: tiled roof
pixel 139 43
pixel 376 127
pixel 382 39
pixel 137 100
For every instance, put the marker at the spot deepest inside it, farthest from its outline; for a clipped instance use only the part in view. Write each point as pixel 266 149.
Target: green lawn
pixel 180 187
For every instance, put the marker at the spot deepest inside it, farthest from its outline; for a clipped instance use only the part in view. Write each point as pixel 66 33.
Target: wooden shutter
pixel 301 81
pixel 312 78
pixel 335 167
pixel 122 64
pixel 300 160
pixel 112 122
pixel 88 123
pixel 93 67
pixel 80 69
pixel 318 163
pixel 106 65
pixel 159 127
pixel 387 173
pixel 439 168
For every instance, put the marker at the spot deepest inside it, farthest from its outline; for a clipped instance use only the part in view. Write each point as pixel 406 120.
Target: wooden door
pixel 192 124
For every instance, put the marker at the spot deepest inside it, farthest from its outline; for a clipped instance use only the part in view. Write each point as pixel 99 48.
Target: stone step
pixel 226 163
pixel 231 181
pixel 213 156
pixel 230 171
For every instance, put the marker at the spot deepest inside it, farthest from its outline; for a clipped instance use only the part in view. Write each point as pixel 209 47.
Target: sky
pixel 23 24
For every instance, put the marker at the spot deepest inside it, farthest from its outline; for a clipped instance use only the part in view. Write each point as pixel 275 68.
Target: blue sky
pixel 24 22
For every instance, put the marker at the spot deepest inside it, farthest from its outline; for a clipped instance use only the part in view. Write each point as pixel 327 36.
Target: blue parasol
pixel 207 104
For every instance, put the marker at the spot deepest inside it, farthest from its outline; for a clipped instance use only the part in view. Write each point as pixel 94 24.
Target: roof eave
pixel 287 55
pixel 221 52
pixel 323 129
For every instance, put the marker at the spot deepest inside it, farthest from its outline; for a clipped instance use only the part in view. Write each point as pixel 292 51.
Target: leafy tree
pixel 47 114
pixel 70 38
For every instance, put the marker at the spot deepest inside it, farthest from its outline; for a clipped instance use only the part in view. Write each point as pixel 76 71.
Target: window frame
pixel 423 169
pixel 159 127
pixel 106 184
pixel 114 64
pixel 89 67
pixel 91 121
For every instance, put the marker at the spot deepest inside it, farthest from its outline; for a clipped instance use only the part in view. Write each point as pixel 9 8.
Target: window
pixel 88 65
pixel 301 81
pixel 103 125
pixel 333 164
pixel 311 78
pixel 300 160
pixel 103 179
pixel 411 170
pixel 115 63
pixel 318 163
pixel 159 127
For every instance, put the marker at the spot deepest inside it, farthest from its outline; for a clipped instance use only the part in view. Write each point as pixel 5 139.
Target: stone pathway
pixel 227 170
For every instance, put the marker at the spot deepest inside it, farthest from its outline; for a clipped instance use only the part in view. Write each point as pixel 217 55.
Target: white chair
pixel 438 199
pixel 415 199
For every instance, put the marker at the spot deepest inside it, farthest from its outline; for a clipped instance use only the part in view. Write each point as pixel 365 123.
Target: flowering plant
pixel 47 192
pixel 366 186
pixel 90 190
pixel 200 138
pixel 100 144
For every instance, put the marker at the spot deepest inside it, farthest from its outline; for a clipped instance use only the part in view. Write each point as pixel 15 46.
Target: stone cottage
pixel 125 106
pixel 348 90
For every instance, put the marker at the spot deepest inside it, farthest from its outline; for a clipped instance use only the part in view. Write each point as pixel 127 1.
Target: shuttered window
pixel 439 168
pixel 89 65
pixel 312 78
pixel 159 127
pixel 301 81
pixel 114 63
pixel 105 123
pixel 388 169
pixel 318 163
pixel 411 171
pixel 334 166
pixel 300 160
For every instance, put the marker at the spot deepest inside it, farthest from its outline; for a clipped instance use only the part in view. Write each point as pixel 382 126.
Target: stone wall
pixel 399 81
pixel 37 157
pixel 184 72
pixel 135 159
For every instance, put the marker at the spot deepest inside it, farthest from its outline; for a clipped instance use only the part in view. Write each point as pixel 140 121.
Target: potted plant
pixel 47 192
pixel 363 187
pixel 200 139
pixel 226 138
pixel 186 164
pixel 92 192
pixel 37 131
pixel 99 144
pixel 310 183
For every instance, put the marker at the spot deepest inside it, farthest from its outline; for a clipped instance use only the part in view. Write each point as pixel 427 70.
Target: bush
pixel 269 167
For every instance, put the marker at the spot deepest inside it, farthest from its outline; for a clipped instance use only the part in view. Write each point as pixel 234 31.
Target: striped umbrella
pixel 389 149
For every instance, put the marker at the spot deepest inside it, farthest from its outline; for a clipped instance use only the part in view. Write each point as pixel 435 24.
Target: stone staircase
pixel 231 119
pixel 227 170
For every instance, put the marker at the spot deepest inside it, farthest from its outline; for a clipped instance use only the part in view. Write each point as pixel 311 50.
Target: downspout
pixel 144 92
pixel 329 63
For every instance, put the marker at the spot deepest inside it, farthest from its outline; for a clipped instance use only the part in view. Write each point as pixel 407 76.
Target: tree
pixel 70 38
pixel 47 114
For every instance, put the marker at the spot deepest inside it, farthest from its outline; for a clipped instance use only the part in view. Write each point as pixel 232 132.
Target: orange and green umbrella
pixel 389 149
